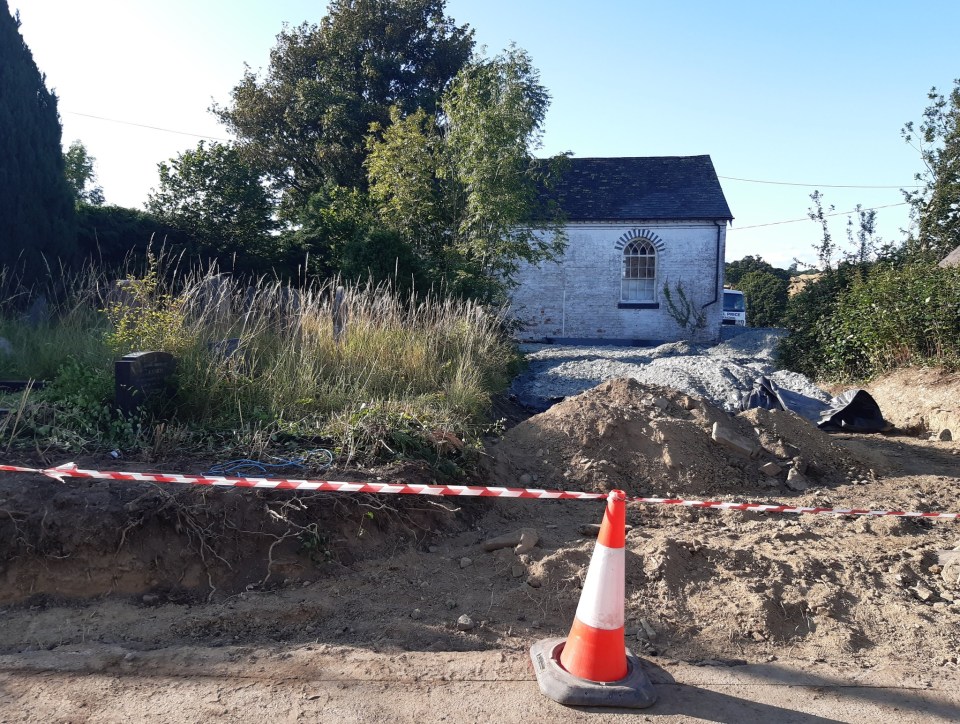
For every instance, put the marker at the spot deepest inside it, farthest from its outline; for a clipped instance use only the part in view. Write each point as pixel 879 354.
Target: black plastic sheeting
pixel 852 411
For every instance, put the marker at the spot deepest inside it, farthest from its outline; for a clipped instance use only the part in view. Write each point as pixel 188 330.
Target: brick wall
pixel 578 296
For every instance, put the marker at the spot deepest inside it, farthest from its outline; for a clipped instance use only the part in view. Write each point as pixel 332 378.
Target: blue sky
pixel 810 93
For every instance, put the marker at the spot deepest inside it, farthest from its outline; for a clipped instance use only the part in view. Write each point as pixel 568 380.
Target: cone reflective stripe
pixel 593 666
pixel 595 648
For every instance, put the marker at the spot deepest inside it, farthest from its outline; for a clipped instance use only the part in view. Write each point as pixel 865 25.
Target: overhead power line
pixel 728 178
pixel 824 186
pixel 143 125
pixel 835 213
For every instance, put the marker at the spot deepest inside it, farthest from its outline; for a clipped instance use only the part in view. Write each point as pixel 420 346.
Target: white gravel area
pixel 720 373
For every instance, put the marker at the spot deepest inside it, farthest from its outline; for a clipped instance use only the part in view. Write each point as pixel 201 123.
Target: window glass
pixel 639 272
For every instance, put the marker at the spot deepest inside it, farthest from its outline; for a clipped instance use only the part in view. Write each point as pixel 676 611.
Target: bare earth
pixel 128 602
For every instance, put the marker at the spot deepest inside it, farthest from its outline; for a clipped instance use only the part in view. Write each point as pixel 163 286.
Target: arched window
pixel 639 271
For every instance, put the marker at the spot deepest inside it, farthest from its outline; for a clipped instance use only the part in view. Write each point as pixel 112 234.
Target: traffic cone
pixel 592 666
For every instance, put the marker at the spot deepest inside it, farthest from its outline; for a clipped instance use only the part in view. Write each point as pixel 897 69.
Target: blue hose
pixel 245 467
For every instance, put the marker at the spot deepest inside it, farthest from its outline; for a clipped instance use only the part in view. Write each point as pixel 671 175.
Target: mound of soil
pixel 714 588
pixel 920 400
pixel 650 440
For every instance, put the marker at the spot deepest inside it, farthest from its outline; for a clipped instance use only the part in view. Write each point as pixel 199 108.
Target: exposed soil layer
pixel 147 567
pixel 654 441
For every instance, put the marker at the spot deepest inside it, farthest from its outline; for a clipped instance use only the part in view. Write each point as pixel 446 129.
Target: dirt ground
pixel 128 602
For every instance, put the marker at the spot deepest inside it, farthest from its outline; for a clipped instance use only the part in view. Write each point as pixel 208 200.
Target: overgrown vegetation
pixel 683 311
pixel 412 376
pixel 859 321
pixel 883 304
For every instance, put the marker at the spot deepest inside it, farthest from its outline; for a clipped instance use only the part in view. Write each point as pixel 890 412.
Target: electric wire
pixel 144 125
pixel 728 178
pixel 807 218
pixel 825 186
pixel 320 459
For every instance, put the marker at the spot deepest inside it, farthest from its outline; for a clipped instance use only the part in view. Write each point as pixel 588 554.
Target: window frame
pixel 644 251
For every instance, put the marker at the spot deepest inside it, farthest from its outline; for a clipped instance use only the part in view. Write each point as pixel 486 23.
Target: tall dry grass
pixel 407 371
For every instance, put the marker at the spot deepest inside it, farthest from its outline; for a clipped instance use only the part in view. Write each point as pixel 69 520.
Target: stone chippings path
pixel 721 373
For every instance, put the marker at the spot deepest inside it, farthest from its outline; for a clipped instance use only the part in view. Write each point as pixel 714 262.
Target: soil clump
pixel 654 441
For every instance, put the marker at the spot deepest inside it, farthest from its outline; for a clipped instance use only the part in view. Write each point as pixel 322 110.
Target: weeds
pixel 258 367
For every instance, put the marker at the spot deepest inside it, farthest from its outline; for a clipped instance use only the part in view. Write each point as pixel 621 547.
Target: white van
pixel 734 308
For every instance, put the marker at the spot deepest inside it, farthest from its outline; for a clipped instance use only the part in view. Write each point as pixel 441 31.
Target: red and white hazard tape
pixel 70 470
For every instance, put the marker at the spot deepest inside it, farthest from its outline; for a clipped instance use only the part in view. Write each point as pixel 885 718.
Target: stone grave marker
pixel 39 312
pixel 231 352
pixel 144 379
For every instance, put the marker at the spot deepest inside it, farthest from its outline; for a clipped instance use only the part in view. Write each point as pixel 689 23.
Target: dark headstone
pixel 226 348
pixel 231 352
pixel 143 380
pixel 38 312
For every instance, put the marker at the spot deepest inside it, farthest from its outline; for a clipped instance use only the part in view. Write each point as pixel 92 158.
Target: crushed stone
pixel 720 374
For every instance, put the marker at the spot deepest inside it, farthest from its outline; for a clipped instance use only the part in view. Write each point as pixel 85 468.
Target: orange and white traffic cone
pixel 592 666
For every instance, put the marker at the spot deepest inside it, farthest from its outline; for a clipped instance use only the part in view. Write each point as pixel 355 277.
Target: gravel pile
pixel 720 373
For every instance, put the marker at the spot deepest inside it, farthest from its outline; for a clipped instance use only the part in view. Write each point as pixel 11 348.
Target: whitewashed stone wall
pixel 578 297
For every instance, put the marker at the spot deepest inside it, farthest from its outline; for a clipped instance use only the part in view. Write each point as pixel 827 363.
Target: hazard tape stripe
pixel 71 471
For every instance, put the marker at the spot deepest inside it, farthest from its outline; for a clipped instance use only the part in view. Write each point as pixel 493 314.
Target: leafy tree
pixel 410 182
pixel 110 234
pixel 936 206
pixel 305 122
pixel 81 175
pixel 919 323
pixel 809 318
pixel 214 196
pixel 864 243
pixel 735 270
pixel 766 297
pixel 827 247
pixel 338 233
pixel 466 192
pixel 36 204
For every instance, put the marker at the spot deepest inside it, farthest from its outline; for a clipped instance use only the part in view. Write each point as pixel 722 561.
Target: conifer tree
pixel 36 204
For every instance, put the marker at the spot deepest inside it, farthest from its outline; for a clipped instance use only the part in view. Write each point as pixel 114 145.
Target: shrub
pixel 410 375
pixel 856 322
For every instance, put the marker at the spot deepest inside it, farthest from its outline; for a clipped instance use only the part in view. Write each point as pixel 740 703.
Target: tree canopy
pixel 306 120
pixel 766 298
pixel 465 191
pixel 735 270
pixel 36 204
pixel 377 146
pixel 81 175
pixel 936 206
pixel 215 197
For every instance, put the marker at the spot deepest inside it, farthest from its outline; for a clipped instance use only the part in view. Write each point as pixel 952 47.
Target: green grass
pixel 408 371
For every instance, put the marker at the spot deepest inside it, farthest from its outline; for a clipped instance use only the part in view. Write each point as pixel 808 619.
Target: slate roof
pixel 951 259
pixel 641 188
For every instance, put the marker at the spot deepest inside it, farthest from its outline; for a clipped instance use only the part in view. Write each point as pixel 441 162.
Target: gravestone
pixel 231 352
pixel 39 312
pixel 339 313
pixel 226 348
pixel 212 297
pixel 143 380
pixel 122 294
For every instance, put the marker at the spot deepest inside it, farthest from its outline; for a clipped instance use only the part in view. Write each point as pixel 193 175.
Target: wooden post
pixel 339 316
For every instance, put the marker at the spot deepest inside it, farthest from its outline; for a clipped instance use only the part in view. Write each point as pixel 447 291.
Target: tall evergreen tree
pixel 36 203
